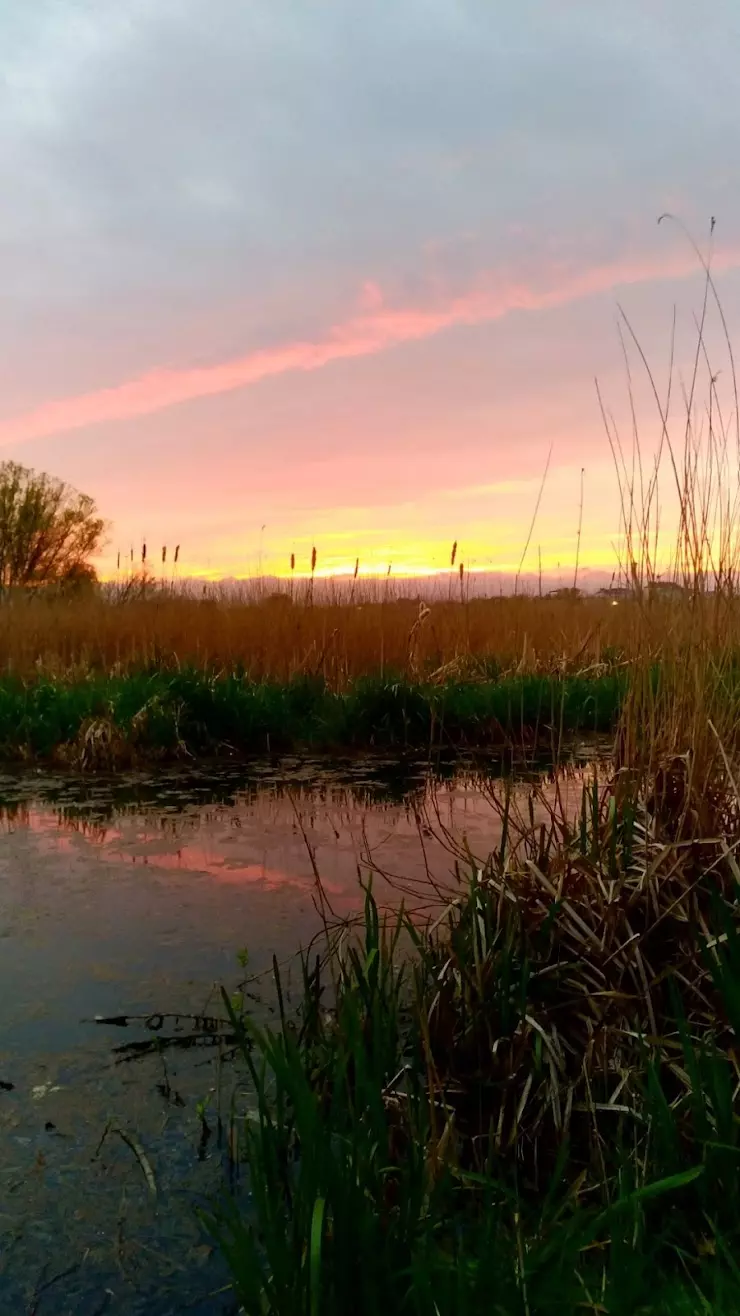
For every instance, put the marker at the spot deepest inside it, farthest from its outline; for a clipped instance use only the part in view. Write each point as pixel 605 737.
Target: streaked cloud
pixel 375 328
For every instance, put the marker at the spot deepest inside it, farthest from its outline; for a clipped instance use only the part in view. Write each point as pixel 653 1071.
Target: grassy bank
pixel 529 1105
pixel 106 721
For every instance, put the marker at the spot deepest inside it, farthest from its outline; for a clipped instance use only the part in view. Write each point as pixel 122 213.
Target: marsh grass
pixel 285 634
pixel 528 1104
pixel 119 720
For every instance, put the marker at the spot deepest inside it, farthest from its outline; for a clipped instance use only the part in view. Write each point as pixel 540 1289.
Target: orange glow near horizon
pixel 489 526
pixel 405 562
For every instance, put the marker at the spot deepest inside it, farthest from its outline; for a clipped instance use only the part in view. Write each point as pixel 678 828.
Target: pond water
pixel 131 897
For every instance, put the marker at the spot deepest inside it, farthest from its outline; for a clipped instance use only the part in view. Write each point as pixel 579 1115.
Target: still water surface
pixel 134 895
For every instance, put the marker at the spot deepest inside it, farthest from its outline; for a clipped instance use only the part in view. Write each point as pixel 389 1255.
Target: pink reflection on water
pixel 269 841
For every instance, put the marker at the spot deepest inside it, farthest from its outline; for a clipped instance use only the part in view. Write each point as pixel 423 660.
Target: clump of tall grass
pixel 528 1104
pixel 680 508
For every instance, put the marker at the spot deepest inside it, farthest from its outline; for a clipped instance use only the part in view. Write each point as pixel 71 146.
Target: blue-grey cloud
pixel 190 150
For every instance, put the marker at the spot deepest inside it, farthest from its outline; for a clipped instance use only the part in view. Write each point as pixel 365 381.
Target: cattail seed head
pixel 164 552
pixel 313 559
pixel 357 568
pixel 177 553
pixel 292 561
pixel 453 554
pixel 118 561
pixel 143 551
pixel 462 570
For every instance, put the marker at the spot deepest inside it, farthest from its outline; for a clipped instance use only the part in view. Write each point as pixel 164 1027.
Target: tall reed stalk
pixel 680 556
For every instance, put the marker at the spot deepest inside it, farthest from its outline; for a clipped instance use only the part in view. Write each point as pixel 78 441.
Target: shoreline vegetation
pixel 102 679
pixel 97 682
pixel 525 1103
pixel 100 722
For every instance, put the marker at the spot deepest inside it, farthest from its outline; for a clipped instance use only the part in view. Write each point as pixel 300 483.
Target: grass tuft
pixel 528 1104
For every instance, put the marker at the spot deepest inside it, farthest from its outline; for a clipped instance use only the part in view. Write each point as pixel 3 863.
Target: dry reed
pixel 280 636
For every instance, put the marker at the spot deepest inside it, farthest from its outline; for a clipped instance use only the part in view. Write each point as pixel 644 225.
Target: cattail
pixel 313 559
pixel 388 572
pixel 118 561
pixel 453 555
pixel 462 571
pixel 177 554
pixel 292 561
pixel 164 553
pixel 143 551
pixel 357 568
pixel 132 552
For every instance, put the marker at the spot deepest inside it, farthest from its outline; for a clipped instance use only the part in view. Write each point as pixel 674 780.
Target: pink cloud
pixel 373 328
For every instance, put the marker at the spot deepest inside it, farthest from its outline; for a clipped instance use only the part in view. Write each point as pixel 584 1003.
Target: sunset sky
pixel 283 273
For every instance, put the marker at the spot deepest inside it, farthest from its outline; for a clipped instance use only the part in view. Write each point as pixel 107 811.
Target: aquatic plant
pixel 527 1104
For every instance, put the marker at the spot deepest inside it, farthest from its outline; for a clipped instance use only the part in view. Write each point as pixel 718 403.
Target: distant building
pixel 666 589
pixel 655 589
pixel 616 592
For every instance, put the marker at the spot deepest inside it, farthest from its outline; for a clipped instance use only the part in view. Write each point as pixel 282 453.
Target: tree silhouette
pixel 48 530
